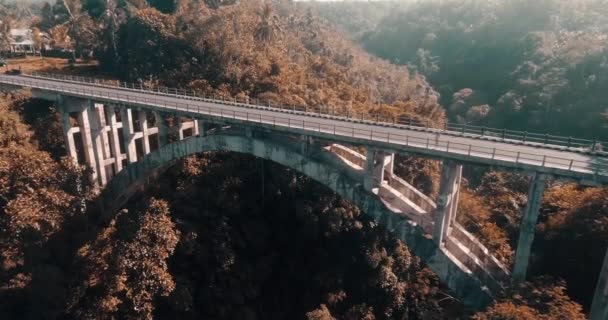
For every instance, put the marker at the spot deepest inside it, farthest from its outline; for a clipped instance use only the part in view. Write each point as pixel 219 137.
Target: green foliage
pixel 538 64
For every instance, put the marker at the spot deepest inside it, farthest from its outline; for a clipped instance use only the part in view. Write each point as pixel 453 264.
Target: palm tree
pixel 269 24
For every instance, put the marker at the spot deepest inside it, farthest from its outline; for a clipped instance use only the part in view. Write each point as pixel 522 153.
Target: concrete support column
pixel 86 135
pixel 306 143
pixel 129 134
pixel 376 164
pixel 383 164
pixel 202 128
pixel 100 114
pixel 528 223
pixel 369 182
pixel 68 132
pixel 196 131
pixel 163 131
pixel 599 306
pixel 114 137
pixel 447 200
pixel 183 126
pixel 100 145
pixel 143 122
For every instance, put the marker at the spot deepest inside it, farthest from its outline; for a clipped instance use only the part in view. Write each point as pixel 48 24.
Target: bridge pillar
pixel 383 164
pixel 447 200
pixel 163 131
pixel 143 122
pixel 81 108
pixel 377 163
pixel 183 126
pixel 68 132
pixel 128 134
pixel 599 306
pixel 114 137
pixel 528 223
pixel 100 141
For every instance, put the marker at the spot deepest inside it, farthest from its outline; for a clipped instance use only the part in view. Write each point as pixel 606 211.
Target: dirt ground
pixel 56 65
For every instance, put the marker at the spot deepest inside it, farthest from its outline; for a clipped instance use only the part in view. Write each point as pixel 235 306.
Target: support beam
pixel 528 223
pixel 599 306
pixel 447 200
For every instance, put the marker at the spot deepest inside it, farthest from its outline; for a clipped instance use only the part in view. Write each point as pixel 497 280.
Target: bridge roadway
pixel 556 160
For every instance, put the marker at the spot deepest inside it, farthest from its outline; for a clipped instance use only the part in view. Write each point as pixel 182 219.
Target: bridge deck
pixel 552 159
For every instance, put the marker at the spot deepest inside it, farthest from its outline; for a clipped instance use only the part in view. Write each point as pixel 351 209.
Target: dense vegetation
pixel 227 236
pixel 528 65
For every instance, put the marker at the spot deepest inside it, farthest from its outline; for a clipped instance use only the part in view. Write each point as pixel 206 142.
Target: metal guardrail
pixel 349 131
pixel 552 141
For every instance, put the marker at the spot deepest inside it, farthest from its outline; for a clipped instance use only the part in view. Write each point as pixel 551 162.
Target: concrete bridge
pixel 127 135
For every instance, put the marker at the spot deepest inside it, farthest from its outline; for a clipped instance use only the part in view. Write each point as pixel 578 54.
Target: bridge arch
pixel 318 165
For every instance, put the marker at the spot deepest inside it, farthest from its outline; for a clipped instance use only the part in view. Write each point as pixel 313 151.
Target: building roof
pixel 21 32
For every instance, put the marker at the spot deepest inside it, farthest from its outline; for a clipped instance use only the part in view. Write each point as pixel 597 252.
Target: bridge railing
pixel 595 166
pixel 571 143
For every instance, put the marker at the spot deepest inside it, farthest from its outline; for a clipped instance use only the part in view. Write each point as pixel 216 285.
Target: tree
pixel 541 299
pixel 80 28
pixel 268 25
pixel 127 264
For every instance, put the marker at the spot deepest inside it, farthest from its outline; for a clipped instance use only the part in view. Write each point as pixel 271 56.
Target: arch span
pixel 318 165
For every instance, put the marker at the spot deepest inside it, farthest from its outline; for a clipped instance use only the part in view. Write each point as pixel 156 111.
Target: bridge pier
pixel 599 306
pixel 377 163
pixel 447 201
pixel 128 133
pixel 98 126
pixel 100 142
pixel 186 125
pixel 528 223
pixel 81 108
pixel 163 130
pixel 111 115
pixel 68 132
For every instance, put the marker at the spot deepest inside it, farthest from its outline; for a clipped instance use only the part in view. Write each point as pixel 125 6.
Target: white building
pixel 21 41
